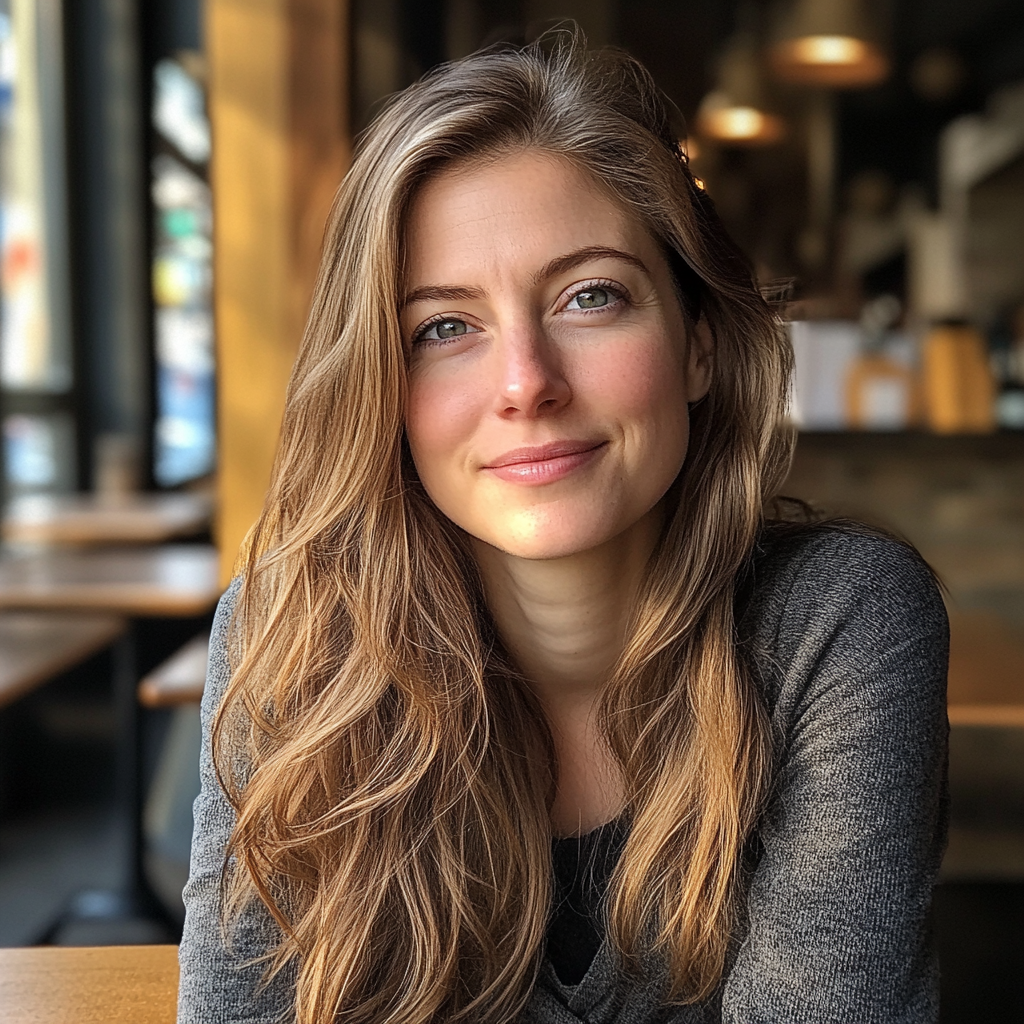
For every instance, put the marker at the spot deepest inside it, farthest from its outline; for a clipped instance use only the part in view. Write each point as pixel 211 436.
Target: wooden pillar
pixel 280 113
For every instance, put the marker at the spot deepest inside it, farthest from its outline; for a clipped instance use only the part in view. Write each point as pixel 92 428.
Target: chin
pixel 538 538
pixel 537 549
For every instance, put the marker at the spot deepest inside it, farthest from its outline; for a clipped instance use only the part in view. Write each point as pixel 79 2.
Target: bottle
pixel 957 381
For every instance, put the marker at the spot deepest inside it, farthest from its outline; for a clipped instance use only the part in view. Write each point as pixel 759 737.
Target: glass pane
pixel 182 280
pixel 39 453
pixel 34 327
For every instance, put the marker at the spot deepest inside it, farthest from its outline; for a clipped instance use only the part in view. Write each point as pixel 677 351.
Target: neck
pixel 564 619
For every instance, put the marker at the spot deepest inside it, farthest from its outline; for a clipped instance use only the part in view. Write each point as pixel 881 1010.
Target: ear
pixel 699 361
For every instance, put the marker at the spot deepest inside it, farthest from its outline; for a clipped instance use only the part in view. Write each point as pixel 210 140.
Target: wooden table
pixel 175 580
pixel 97 519
pixel 89 985
pixel 36 646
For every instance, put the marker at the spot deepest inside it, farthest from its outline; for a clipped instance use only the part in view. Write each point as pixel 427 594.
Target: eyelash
pixel 612 287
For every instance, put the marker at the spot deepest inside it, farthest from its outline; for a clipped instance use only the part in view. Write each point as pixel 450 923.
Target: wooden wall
pixel 279 73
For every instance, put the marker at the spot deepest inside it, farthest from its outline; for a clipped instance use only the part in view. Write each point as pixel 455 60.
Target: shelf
pixel 1005 444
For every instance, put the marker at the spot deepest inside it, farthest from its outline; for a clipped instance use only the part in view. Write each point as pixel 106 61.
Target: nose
pixel 531 377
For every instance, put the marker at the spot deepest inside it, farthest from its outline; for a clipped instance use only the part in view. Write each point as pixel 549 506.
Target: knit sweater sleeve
pixel 852 645
pixel 221 982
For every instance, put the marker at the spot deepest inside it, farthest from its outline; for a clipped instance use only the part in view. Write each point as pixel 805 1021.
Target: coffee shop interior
pixel 166 168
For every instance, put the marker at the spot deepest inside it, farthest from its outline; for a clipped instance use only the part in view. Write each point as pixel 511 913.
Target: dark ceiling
pixel 888 126
pixel 889 130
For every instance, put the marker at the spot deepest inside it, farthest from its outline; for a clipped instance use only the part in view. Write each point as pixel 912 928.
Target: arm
pixel 853 837
pixel 218 984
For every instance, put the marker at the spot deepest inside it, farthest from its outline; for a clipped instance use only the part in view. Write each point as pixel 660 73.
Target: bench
pixel 180 679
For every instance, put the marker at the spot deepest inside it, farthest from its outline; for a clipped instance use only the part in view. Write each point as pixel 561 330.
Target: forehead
pixel 515 208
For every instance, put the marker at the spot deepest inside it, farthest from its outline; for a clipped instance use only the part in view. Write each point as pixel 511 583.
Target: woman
pixel 521 709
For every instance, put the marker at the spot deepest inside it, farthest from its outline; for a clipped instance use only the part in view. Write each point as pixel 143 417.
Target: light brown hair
pixel 391 771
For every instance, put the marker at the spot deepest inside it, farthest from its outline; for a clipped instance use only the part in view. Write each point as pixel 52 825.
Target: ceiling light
pixel 719 118
pixel 736 112
pixel 828 43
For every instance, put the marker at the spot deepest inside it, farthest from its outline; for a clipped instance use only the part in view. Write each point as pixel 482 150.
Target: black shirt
pixel 582 866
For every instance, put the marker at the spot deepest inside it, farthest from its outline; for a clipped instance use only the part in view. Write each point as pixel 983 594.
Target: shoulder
pixel 218 666
pixel 844 554
pixel 226 607
pixel 821 571
pixel 829 597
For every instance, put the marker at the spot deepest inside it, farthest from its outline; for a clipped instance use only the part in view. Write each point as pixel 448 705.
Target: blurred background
pixel 165 172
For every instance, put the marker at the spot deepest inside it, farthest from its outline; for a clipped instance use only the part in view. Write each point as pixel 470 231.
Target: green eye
pixel 592 298
pixel 450 328
pixel 442 330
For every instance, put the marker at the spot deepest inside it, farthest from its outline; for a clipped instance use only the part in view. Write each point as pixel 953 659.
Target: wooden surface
pixel 986 671
pixel 956 499
pixel 89 985
pixel 278 96
pixel 92 519
pixel 173 580
pixel 35 646
pixel 180 679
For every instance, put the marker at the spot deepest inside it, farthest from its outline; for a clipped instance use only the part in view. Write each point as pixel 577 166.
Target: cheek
pixel 439 420
pixel 644 385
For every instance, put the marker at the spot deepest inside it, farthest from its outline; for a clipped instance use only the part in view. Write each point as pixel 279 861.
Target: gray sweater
pixel 848 636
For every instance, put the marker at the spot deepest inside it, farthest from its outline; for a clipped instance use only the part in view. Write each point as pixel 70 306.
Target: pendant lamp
pixel 736 111
pixel 828 43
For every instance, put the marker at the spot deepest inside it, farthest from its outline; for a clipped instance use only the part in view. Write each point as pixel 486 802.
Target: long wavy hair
pixel 391 772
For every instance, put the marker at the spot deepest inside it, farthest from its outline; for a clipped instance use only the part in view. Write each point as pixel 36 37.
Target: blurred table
pixel 89 985
pixel 95 519
pixel 36 646
pixel 174 580
pixel 169 580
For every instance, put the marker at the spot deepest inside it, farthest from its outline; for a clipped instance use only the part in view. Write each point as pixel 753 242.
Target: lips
pixel 541 453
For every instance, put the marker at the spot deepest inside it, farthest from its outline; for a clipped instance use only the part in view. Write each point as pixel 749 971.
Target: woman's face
pixel 549 366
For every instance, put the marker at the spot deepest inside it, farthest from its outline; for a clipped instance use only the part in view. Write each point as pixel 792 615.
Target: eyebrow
pixel 441 293
pixel 576 258
pixel 559 265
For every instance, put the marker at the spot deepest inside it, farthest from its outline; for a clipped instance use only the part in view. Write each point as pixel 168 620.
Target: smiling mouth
pixel 547 464
pixel 544 453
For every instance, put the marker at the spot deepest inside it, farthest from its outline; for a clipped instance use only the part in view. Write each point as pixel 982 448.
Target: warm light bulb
pixel 829 50
pixel 841 62
pixel 738 124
